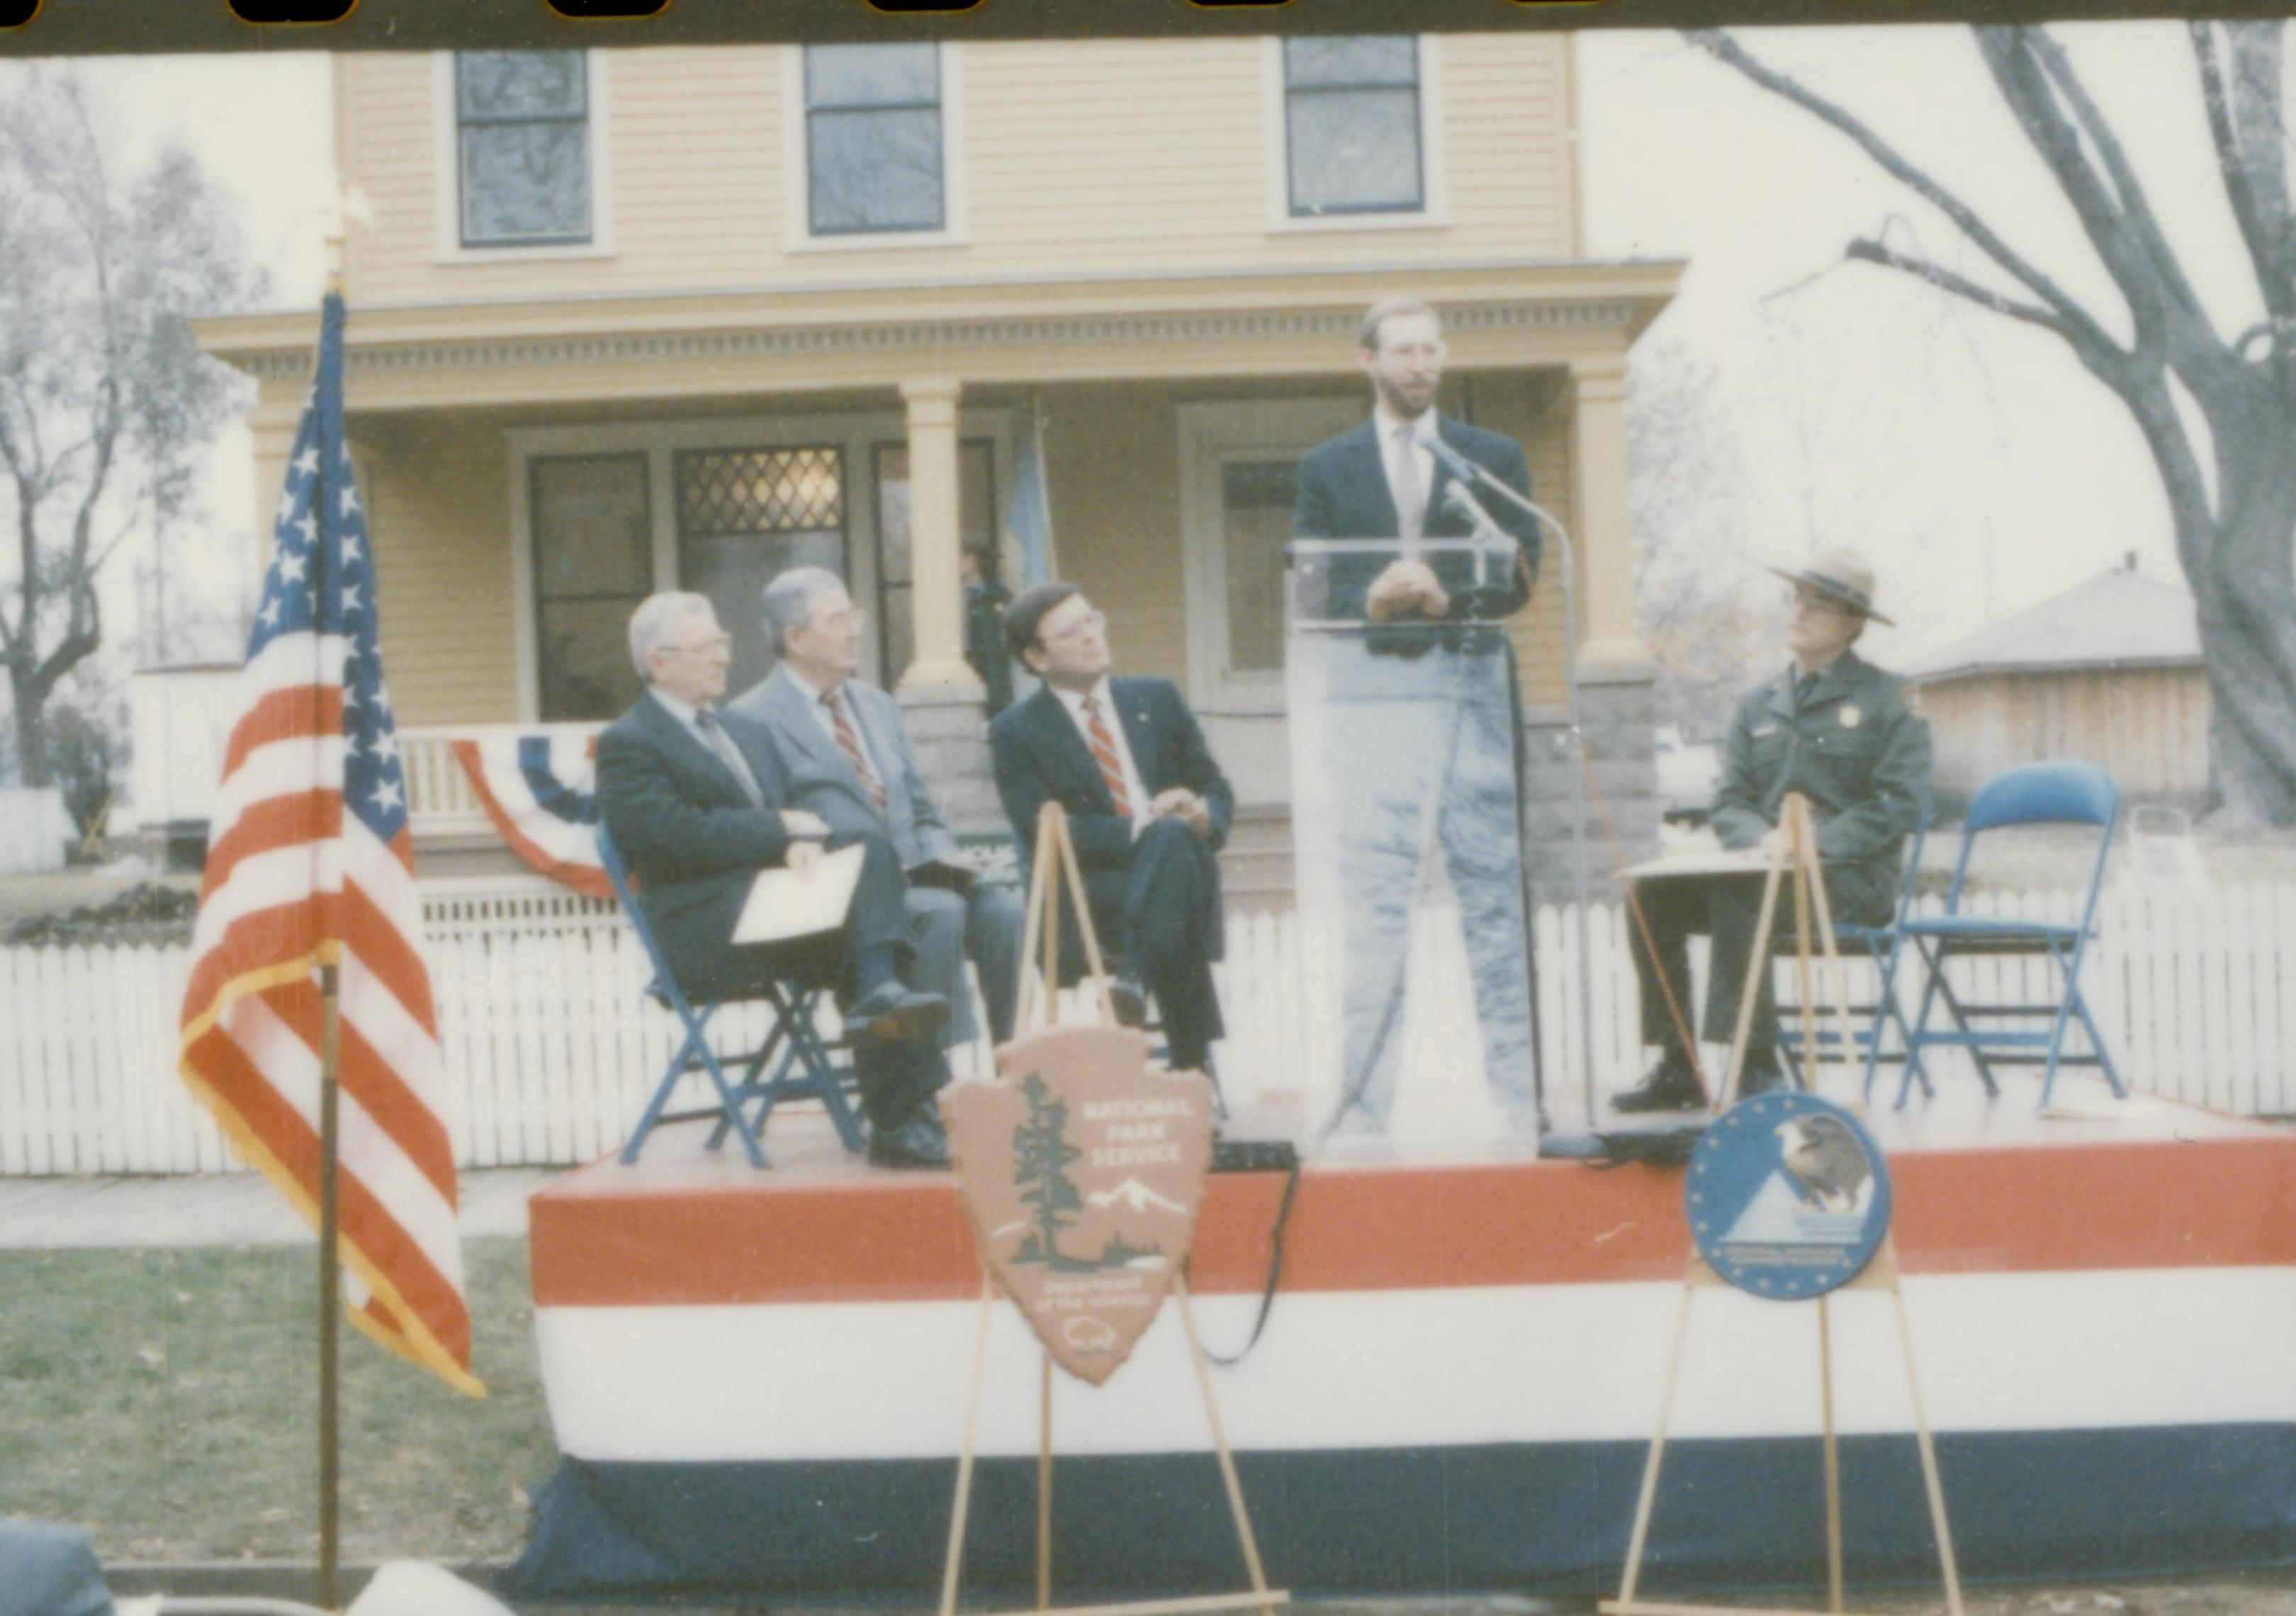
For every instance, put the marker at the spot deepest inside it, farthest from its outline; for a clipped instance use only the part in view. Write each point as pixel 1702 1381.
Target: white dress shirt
pixel 1074 701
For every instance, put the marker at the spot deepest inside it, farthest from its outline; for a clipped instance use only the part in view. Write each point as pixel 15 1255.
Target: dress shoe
pixel 1130 999
pixel 1670 1086
pixel 1759 1076
pixel 918 1142
pixel 891 1010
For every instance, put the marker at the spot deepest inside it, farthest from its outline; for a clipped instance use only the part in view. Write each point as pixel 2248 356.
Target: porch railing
pixel 440 801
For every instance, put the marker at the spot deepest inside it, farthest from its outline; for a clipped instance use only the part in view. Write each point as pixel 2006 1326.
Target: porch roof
pixel 817 338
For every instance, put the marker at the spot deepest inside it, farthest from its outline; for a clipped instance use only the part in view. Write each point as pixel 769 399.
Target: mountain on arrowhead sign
pixel 1082 1170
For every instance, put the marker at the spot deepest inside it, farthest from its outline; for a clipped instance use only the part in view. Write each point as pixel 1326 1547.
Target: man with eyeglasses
pixel 698 801
pixel 1852 739
pixel 1147 809
pixel 847 757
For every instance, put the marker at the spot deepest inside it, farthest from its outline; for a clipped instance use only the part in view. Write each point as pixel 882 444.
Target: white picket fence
pixel 551 1049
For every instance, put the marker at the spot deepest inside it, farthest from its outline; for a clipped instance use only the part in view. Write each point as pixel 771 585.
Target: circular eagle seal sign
pixel 1787 1196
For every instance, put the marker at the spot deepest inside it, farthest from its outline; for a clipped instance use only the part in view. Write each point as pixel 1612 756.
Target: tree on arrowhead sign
pixel 1082 1170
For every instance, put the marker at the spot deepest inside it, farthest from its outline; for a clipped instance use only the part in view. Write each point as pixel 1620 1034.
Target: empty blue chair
pixel 2038 793
pixel 804 1070
pixel 1883 945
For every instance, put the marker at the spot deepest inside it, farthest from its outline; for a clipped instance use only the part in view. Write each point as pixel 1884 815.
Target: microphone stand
pixel 1464 470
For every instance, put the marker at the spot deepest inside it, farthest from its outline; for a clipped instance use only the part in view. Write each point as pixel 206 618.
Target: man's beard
pixel 1393 397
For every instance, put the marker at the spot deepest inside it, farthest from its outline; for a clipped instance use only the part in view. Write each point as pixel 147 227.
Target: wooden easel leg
pixel 1044 1488
pixel 955 1563
pixel 1832 1451
pixel 1758 961
pixel 1844 1036
pixel 1219 1444
pixel 1930 1477
pixel 1640 1536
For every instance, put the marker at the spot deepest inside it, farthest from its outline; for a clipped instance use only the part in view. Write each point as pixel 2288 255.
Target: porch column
pixel 942 698
pixel 273 428
pixel 1605 536
pixel 936 597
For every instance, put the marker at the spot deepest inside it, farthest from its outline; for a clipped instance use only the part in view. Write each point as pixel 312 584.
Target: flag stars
pixel 307 464
pixel 388 798
pixel 291 568
pixel 350 501
pixel 308 527
pixel 352 548
pixel 350 598
pixel 269 615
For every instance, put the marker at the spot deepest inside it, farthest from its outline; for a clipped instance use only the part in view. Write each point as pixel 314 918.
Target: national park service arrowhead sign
pixel 1082 1170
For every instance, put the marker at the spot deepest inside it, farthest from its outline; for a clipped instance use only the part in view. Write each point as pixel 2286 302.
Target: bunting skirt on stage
pixel 759 1380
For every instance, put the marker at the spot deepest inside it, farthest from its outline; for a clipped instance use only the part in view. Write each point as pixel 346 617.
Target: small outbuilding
pixel 2109 671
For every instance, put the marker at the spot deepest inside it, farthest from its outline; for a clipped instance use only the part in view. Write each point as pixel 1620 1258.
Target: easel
pixel 1053 843
pixel 1798 854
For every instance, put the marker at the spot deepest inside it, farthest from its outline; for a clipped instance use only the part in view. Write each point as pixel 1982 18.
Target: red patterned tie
pixel 1103 752
pixel 850 743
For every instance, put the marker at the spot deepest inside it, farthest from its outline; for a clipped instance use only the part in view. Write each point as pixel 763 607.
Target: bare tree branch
pixel 2264 252
pixel 1725 49
pixel 1871 252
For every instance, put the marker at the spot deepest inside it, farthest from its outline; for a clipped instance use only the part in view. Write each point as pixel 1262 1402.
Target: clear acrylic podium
pixel 1407 823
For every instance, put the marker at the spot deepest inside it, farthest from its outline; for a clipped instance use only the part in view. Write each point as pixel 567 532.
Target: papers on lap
pixel 1716 862
pixel 784 905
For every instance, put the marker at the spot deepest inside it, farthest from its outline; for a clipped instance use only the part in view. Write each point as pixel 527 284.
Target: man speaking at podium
pixel 1425 753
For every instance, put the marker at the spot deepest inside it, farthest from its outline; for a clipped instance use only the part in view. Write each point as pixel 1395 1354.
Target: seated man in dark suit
pixel 1147 806
pixel 846 757
pixel 693 798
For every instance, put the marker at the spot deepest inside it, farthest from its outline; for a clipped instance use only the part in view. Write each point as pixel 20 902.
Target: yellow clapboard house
pixel 636 319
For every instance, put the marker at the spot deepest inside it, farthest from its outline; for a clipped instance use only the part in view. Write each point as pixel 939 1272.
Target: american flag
pixel 310 861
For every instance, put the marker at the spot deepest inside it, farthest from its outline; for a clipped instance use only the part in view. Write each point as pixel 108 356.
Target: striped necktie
pixel 1104 753
pixel 849 742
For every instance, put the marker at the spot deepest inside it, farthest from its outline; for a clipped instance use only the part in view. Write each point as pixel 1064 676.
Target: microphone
pixel 1466 505
pixel 1454 461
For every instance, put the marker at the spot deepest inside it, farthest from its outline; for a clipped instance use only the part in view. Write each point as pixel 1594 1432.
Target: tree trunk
pixel 30 698
pixel 2246 595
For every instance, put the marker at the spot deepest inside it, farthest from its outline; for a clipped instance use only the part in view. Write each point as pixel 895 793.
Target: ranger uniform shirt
pixel 1856 746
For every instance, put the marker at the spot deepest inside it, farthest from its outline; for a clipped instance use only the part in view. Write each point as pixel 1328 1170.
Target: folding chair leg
pixel 1961 1024
pixel 833 1091
pixel 1916 1070
pixel 2097 1042
pixel 748 1085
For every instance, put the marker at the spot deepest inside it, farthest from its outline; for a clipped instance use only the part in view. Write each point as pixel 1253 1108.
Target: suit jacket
pixel 818 777
pixel 1040 758
pixel 687 828
pixel 1344 494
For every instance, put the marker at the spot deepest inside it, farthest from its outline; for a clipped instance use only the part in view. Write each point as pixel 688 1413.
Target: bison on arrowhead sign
pixel 1082 1170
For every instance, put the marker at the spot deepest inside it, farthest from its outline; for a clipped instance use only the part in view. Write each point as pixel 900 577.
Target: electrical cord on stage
pixel 1275 1272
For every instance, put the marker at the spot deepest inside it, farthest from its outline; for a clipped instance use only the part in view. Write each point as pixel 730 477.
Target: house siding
pixel 1079 158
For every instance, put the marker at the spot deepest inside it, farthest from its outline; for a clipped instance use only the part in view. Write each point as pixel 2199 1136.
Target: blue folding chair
pixel 2038 793
pixel 1883 945
pixel 805 1070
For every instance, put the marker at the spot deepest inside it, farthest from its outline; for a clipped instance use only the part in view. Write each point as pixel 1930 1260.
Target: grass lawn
pixel 166 1401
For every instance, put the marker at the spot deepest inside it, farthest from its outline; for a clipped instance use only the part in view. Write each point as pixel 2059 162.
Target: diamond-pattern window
pixel 723 493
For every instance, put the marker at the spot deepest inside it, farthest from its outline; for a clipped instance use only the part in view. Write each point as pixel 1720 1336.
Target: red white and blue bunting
pixel 541 793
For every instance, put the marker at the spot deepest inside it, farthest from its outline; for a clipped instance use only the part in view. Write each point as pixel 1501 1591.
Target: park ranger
pixel 1850 737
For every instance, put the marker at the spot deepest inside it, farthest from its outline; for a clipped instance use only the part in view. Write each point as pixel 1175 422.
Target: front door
pixel 1239 465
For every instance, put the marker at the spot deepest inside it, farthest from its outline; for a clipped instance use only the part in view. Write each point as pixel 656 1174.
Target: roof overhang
pixel 804 339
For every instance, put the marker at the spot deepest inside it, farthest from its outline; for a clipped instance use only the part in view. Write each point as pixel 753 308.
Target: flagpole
pixel 330 1277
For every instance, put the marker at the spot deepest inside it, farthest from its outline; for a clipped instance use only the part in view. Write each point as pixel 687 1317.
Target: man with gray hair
pixel 847 759
pixel 697 802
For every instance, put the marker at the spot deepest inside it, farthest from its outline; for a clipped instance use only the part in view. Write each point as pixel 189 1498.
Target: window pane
pixel 584 657
pixel 526 181
pixel 872 74
pixel 520 83
pixel 592 532
pixel 744 515
pixel 1256 513
pixel 874 171
pixel 1354 150
pixel 1351 59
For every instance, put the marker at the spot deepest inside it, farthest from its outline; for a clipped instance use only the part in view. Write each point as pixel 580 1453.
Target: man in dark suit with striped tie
pixel 1148 809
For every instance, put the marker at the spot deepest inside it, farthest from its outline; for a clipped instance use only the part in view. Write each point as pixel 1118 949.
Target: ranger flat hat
pixel 1840 576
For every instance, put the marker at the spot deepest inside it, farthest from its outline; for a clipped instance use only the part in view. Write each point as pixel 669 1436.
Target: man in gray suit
pixel 847 759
